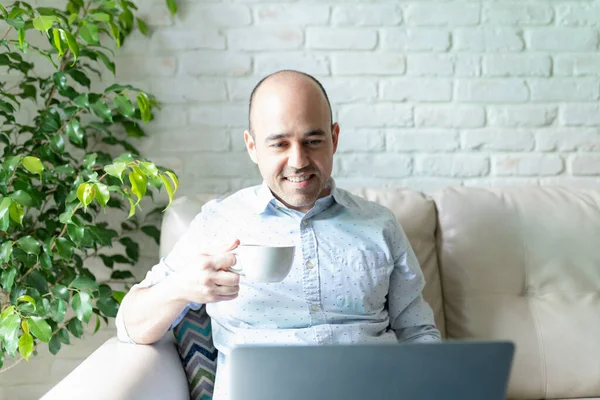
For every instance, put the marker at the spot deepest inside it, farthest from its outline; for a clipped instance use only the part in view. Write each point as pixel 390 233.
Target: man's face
pixel 293 141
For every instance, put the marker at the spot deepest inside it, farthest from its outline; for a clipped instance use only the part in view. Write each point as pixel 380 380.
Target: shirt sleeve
pixel 411 317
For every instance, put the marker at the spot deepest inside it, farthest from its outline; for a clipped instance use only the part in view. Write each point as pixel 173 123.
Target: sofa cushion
pixel 523 264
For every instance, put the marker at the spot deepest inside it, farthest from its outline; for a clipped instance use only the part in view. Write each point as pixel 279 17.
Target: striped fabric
pixel 193 337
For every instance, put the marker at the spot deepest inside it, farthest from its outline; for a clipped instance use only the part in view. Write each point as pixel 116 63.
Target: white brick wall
pixel 427 93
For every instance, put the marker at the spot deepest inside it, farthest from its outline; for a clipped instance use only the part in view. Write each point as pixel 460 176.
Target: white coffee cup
pixel 262 263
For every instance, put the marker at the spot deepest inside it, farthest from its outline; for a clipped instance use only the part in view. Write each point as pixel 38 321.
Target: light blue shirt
pixel 355 278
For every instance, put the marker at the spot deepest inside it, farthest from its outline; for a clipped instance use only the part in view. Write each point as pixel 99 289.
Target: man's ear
pixel 250 146
pixel 335 133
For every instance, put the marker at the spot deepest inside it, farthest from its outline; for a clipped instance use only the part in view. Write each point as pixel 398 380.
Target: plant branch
pixel 5 369
pixel 7 32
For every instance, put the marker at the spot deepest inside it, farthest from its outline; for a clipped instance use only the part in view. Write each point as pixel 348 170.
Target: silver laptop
pixel 465 370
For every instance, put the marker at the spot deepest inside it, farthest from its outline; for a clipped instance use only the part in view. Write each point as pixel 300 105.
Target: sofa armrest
pixel 119 370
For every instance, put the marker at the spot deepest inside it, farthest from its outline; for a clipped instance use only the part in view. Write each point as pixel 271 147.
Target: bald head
pixel 287 85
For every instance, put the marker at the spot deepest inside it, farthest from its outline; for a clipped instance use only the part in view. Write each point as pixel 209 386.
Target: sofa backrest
pixel 524 264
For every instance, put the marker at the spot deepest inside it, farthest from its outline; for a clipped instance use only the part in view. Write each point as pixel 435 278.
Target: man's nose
pixel 298 158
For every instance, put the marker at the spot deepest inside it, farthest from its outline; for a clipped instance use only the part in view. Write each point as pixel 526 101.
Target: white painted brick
pixel 367 15
pixel 148 66
pixel 169 40
pixel 467 65
pixel 488 39
pixel 449 116
pixel 341 38
pixel 349 90
pixel 429 65
pixel 239 89
pixel 451 13
pixel 415 89
pixel 237 139
pixel 498 140
pixel 527 164
pixel 360 140
pixel 415 39
pixel 372 64
pixel 216 63
pixel 516 65
pixel 562 39
pixel 352 184
pixel 291 14
pixel 170 116
pixel 576 64
pixel 220 165
pixel 585 164
pixel 455 165
pixel 185 89
pixel 426 185
pixel 376 115
pixel 190 139
pixel 500 182
pixel 381 165
pixel 418 140
pixel 219 115
pixel 155 15
pixel 517 13
pixel 225 15
pixel 309 62
pixel 574 114
pixel 271 38
pixel 563 89
pixel 491 90
pixel 195 185
pixel 521 115
pixel 572 182
pixel 578 13
pixel 568 139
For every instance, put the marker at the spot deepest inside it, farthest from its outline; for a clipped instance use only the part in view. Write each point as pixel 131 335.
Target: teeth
pixel 298 178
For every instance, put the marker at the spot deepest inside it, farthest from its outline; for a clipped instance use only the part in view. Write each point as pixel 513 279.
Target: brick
pixel 169 40
pixel 155 15
pixel 497 140
pixel 411 89
pixel 467 65
pixel 418 140
pixel 222 15
pixel 349 90
pixel 272 38
pixel 585 164
pixel 215 63
pixel 576 64
pixel 579 114
pixel 373 64
pixel 311 63
pixel 226 165
pixel 170 116
pixel 574 14
pixel 429 65
pixel 237 140
pixel 239 89
pixel 451 13
pixel 194 185
pixel 521 115
pixel 449 116
pixel 488 39
pixel 341 38
pixel 147 66
pixel 415 39
pixel 527 164
pixel 219 115
pixel 360 140
pixel 568 139
pixel 376 115
pixel 517 13
pixel 355 183
pixel 491 90
pixel 578 182
pixel 291 14
pixel 367 15
pixel 455 165
pixel 380 165
pixel 427 185
pixel 516 65
pixel 564 89
pixel 190 139
pixel 182 90
pixel 562 39
pixel 500 182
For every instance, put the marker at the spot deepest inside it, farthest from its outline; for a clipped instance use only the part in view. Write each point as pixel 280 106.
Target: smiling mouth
pixel 299 179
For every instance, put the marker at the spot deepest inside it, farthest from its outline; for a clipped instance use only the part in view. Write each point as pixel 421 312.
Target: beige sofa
pixel 514 263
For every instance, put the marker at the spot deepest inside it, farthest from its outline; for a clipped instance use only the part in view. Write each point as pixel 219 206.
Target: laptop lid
pixel 465 370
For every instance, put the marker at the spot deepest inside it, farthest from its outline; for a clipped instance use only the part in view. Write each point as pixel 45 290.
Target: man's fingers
pixel 224 261
pixel 226 298
pixel 226 290
pixel 226 278
pixel 221 249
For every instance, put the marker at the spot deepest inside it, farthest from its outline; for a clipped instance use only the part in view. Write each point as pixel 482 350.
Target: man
pixel 355 277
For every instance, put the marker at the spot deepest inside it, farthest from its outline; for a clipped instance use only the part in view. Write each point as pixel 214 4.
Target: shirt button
pixel 304 223
pixel 315 308
pixel 309 265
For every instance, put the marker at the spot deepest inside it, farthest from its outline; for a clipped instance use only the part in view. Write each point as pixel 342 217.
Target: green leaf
pixel 63 335
pixel 25 326
pixel 75 327
pixel 61 292
pixel 116 32
pixel 102 110
pixel 9 330
pixel 29 245
pixel 106 61
pixel 80 77
pixel 82 305
pixel 11 163
pixel 142 26
pixel 82 283
pixel 172 5
pixel 138 183
pixel 89 160
pixel 168 188
pixel 102 194
pixel 131 208
pixel 22 39
pixel 16 212
pixel 89 33
pixel 101 17
pixel 33 164
pixel 86 193
pixel 54 345
pixel 118 296
pixel 22 197
pixel 8 278
pixel 149 169
pixel 131 248
pixel 40 328
pixel 121 275
pixel 144 105
pixel 6 249
pixel 76 233
pixel 124 105
pixel 59 44
pixel 72 43
pixel 82 101
pixel 65 248
pixel 116 170
pixel 5 213
pixel 116 87
pixel 43 22
pixel 26 346
pixel 108 306
pixel 75 132
pixel 57 144
pixel 133 129
pixel 173 179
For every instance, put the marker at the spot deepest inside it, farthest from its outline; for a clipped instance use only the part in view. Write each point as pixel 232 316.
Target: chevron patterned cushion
pixel 193 337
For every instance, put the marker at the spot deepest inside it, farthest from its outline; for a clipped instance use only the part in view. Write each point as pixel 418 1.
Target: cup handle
pixel 237 262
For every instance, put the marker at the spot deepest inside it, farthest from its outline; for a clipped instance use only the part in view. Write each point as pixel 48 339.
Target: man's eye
pixel 315 142
pixel 278 145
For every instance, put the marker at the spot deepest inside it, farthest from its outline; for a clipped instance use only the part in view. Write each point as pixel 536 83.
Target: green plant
pixel 58 172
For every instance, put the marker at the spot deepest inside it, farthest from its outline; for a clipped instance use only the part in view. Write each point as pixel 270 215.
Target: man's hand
pixel 207 278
